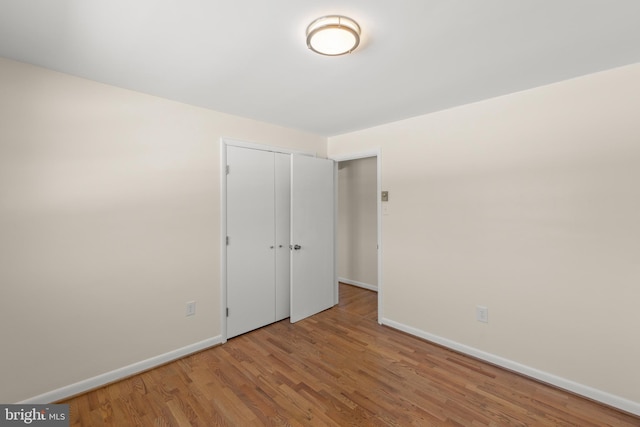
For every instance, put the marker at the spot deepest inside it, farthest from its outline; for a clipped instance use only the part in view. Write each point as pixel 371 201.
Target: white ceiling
pixel 249 57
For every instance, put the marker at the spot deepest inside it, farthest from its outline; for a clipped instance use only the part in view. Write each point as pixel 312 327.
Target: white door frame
pixel 224 142
pixel 364 155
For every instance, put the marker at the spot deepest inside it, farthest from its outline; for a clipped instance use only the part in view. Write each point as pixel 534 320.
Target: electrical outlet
pixel 191 308
pixel 482 314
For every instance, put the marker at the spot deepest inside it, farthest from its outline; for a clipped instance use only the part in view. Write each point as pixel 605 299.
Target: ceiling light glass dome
pixel 333 35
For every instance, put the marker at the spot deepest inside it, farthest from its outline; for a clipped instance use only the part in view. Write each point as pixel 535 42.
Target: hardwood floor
pixel 336 368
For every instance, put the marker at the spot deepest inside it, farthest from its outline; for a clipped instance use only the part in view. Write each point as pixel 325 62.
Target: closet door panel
pixel 283 231
pixel 250 252
pixel 312 236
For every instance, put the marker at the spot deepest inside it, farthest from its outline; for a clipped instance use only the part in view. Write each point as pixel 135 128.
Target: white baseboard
pixel 563 383
pixel 120 373
pixel 358 284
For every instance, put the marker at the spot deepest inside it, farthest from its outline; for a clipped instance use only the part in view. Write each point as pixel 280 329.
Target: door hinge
pixel 228 168
pixel 227 311
pixel 227 240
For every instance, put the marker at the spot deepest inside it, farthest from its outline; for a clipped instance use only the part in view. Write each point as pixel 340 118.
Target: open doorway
pixel 357 225
pixel 358 222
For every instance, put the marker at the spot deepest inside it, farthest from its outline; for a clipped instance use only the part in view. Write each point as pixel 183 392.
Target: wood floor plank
pixel 337 368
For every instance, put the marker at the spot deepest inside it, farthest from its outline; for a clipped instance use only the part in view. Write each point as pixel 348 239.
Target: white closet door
pixel 283 231
pixel 312 234
pixel 250 227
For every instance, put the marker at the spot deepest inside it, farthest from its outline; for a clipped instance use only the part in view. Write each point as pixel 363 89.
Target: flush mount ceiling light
pixel 333 35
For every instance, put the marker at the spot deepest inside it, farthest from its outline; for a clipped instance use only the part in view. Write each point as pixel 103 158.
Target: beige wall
pixel 357 222
pixel 109 224
pixel 528 204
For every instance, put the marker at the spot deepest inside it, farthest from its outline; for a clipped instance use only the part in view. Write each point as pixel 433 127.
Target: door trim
pixel 377 153
pixel 256 146
pixel 224 142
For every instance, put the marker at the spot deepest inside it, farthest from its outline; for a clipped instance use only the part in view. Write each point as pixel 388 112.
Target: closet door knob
pixel 297 247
